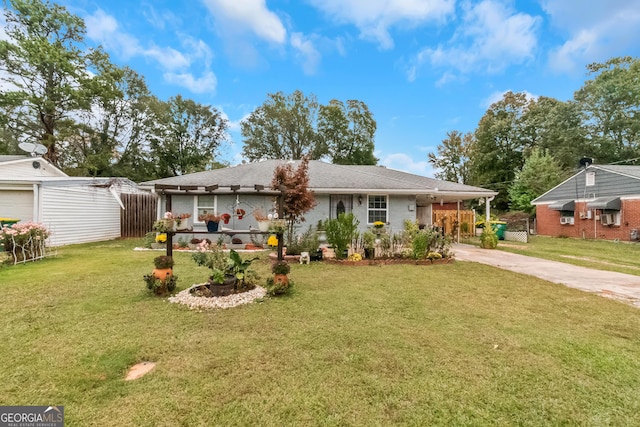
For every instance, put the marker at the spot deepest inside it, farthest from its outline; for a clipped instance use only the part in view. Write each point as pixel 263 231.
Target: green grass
pixel 458 344
pixel 623 257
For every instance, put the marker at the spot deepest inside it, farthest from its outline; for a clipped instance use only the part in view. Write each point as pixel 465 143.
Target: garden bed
pixel 389 261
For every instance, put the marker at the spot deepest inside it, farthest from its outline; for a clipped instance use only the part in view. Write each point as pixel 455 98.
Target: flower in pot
pixel 263 220
pixel 280 270
pixel 161 280
pixel 225 217
pixel 181 221
pixel 211 220
pixel 240 213
pixel 164 266
pixel 160 226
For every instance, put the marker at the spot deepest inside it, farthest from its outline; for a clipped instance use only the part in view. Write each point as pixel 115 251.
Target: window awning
pixel 563 205
pixel 605 203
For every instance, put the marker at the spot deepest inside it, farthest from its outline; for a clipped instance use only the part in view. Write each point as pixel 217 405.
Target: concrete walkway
pixel 624 287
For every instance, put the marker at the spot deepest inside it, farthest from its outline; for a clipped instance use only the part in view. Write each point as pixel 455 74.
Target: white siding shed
pixel 75 209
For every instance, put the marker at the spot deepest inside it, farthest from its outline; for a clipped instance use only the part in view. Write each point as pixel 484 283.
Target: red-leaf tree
pixel 298 199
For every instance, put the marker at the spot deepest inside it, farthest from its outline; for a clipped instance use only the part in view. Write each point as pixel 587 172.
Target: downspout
pixel 36 214
pixel 488 200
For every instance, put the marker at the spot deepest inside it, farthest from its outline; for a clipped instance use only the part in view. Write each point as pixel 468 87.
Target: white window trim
pixel 590 179
pixel 386 210
pixel 196 207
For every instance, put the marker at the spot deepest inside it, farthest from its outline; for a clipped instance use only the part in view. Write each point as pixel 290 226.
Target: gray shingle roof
pixel 610 181
pixel 324 177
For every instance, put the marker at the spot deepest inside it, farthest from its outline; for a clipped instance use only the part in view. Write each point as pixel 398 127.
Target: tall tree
pixel 284 127
pixel 45 70
pixel 348 132
pixel 187 137
pixel 611 103
pixel 452 160
pixel 110 139
pixel 540 173
pixel 501 143
pixel 556 127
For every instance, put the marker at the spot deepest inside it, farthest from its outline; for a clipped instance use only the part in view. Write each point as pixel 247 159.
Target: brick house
pixel 598 202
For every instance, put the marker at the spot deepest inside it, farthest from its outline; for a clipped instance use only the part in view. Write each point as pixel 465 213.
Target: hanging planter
pixel 225 218
pixel 240 213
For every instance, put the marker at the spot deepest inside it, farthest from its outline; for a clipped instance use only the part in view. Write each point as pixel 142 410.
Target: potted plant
pixel 164 266
pixel 240 213
pixel 225 217
pixel 369 244
pixel 211 220
pixel 182 221
pixel 263 220
pixel 161 280
pixel 280 271
pixel 320 229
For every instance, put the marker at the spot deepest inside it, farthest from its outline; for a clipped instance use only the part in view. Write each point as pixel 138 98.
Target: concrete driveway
pixel 624 287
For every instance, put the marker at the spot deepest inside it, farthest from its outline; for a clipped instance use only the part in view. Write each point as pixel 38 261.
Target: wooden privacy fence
pixel 448 220
pixel 138 215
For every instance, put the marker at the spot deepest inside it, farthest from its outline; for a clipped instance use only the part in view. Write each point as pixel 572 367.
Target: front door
pixel 340 203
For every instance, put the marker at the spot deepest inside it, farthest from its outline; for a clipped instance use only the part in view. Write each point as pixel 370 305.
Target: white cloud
pixel 407 163
pixel 491 36
pixel 240 15
pixel 167 57
pixel 205 84
pixel 307 53
pixel 374 18
pixel 596 33
pixel 159 20
pixel 104 29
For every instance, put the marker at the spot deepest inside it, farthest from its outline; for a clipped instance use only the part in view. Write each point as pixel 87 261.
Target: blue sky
pixel 424 67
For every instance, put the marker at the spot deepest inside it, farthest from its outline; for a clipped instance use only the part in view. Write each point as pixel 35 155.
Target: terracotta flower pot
pixel 280 279
pixel 162 273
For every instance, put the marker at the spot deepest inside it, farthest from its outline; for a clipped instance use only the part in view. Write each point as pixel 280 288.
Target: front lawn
pixel 458 344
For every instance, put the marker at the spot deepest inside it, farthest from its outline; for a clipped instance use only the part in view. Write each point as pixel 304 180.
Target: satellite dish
pixel 32 148
pixel 27 146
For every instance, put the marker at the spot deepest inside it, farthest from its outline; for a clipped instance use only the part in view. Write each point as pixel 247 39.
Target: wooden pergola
pixel 170 190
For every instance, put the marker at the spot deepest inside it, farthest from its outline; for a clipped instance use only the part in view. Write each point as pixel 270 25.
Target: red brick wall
pixel 548 223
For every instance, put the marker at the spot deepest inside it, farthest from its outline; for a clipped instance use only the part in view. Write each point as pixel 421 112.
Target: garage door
pixel 16 204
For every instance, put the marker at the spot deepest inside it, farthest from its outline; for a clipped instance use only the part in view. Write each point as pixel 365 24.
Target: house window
pixel 590 178
pixel 206 204
pixel 377 209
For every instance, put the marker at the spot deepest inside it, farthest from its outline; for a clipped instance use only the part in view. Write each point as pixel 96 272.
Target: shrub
pixel 419 245
pixel 340 232
pixel 488 238
pixel 163 261
pixel 278 289
pixel 306 242
pixel 25 241
pixel 281 267
pixel 154 284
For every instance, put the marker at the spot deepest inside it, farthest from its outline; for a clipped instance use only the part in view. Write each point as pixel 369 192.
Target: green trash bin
pixel 499 227
pixel 8 222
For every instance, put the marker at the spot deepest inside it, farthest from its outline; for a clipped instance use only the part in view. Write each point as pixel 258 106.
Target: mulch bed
pixel 389 261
